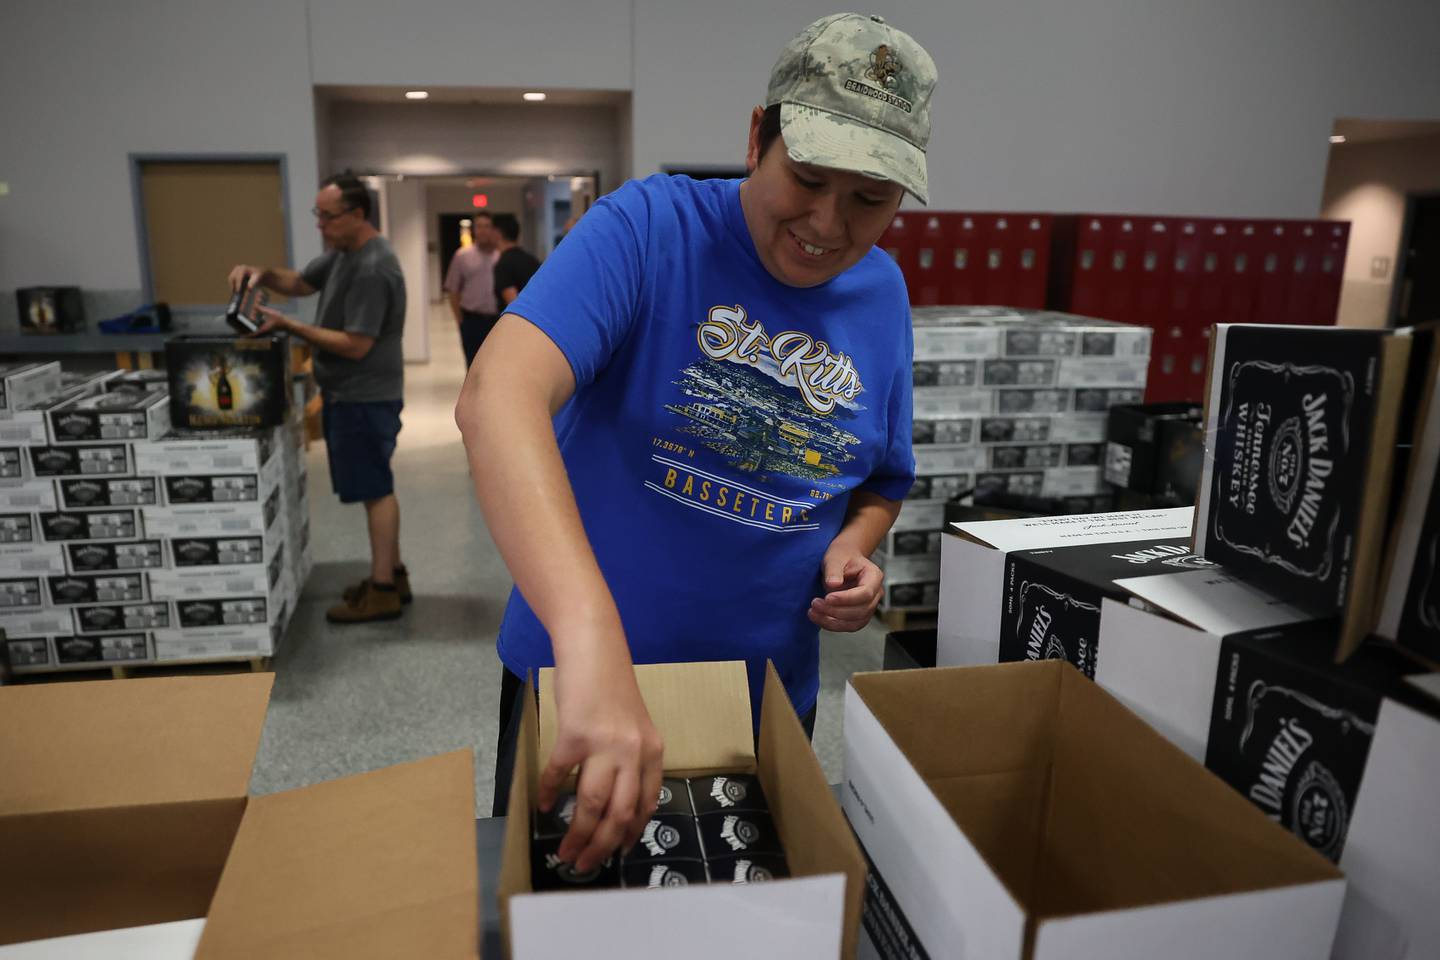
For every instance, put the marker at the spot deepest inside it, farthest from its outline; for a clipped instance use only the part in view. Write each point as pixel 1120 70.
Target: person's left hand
pixel 853 588
pixel 274 320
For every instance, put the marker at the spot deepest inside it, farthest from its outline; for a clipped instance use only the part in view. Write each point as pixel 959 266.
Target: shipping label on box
pixel 21 593
pixel 221 488
pixel 191 452
pixel 216 643
pixel 1101 399
pixel 31 559
pixel 12 463
pixel 931 403
pixel 121 617
pixel 112 587
pixel 71 525
pixel 102 557
pixel 81 460
pixel 945 373
pixel 1032 456
pixel 1039 342
pixel 24 384
pixel 950 430
pixel 121 415
pixel 948 459
pixel 82 492
pixel 220 382
pixel 942 487
pixel 108 648
pixel 18 528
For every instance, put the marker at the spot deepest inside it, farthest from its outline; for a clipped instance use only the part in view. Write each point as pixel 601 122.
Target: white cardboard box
pixel 197 454
pixel 920 515
pixel 27 496
pixel 31 559
pixel 175 940
pixel 214 519
pixel 1017 811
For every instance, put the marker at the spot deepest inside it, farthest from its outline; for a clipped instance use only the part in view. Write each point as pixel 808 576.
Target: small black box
pixel 50 309
pixel 1137 444
pixel 741 832
pixel 675 797
pixel 548 872
pixel 654 876
pixel 726 791
pixel 100 557
pixel 756 869
pixel 223 382
pixel 552 824
pixel 668 836
pixel 82 460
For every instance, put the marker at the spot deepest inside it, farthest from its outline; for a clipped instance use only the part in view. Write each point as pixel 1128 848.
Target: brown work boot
pixel 402 584
pixel 370 602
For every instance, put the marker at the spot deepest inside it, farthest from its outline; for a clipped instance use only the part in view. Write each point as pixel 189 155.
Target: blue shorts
pixel 360 439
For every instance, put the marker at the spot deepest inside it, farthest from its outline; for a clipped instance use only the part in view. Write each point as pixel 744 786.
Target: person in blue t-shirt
pixel 692 428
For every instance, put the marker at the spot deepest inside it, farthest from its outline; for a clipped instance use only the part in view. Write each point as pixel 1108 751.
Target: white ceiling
pixel 1371 131
pixel 483 95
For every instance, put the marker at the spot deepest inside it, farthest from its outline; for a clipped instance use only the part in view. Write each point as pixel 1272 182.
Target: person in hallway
pixel 692 428
pixel 515 265
pixel 360 368
pixel 470 286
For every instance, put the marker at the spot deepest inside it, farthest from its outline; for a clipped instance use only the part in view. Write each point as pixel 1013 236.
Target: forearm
pixel 331 341
pixel 454 300
pixel 285 281
pixel 867 520
pixel 529 507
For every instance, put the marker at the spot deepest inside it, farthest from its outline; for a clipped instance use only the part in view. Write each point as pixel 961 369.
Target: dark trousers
pixel 508 735
pixel 474 328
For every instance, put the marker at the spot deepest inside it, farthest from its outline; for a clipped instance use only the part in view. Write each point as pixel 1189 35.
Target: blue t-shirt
pixel 719 423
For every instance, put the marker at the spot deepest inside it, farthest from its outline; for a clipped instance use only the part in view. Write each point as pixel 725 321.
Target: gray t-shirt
pixel 363 292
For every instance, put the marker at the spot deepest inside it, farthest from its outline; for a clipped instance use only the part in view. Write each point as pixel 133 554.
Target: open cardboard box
pixel 703 712
pixel 123 804
pixel 1019 811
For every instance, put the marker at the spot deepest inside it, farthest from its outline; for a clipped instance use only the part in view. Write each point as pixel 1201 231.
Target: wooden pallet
pixel 907 618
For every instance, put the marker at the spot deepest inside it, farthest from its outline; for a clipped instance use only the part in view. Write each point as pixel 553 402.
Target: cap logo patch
pixel 884 65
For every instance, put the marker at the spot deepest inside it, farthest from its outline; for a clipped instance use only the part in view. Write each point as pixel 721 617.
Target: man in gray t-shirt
pixel 360 369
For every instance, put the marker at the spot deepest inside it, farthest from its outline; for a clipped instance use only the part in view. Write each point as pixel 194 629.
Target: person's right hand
pixel 606 730
pixel 243 277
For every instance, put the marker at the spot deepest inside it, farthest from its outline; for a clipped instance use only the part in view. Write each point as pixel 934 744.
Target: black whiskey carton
pixel 667 836
pixel 747 869
pixel 122 617
pixel 217 551
pixel 1136 442
pixel 104 649
pixel 93 588
pixel 947 430
pixel 1300 428
pixel 81 460
pixel 121 415
pixel 675 797
pixel 726 791
pixel 549 872
pixel 219 488
pixel 660 874
pixel 81 492
pixel 71 525
pixel 18 528
pixel 225 382
pixel 18 593
pixel 742 832
pixel 102 557
pixel 220 612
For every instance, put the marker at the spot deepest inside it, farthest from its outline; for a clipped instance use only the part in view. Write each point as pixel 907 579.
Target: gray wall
pixel 1215 107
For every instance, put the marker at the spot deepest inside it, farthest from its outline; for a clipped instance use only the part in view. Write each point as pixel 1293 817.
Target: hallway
pixel 355 698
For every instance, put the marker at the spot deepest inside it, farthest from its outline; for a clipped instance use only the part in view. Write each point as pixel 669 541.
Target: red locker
pixel 930 271
pixel 1302 263
pixel 1032 264
pixel 1331 276
pixel 965 260
pixel 1121 269
pixel 1087 287
pixel 1002 251
pixel 1272 282
pixel 1242 283
pixel 898 241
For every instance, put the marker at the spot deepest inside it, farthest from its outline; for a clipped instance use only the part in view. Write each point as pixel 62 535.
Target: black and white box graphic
pixel 1052 625
pixel 954 430
pixel 944 373
pixel 726 792
pixel 656 876
pixel 17 528
pixel 744 832
pixel 1290 448
pixel 1292 741
pixel 667 836
pixel 752 869
pixel 1022 400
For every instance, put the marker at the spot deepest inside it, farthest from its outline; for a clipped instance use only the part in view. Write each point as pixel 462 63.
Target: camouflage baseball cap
pixel 854 94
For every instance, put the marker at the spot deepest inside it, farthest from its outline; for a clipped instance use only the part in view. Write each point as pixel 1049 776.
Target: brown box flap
pixel 114 743
pixel 701 709
pixel 376 865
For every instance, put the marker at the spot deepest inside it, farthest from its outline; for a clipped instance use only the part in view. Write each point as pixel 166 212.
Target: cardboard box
pixel 1054 482
pixel 1019 811
pixel 236 518
pixel 147 821
pixel 50 310
pixel 29 655
pixel 176 940
pixel 22 593
pixel 27 496
pixel 113 587
pixel 183 452
pixel 920 515
pixel 68 526
pixel 33 620
pixel 240 641
pixel 943 487
pixel 1300 426
pixel 24 384
pixel 13 464
pixel 100 557
pixel 913 568
pixel 948 459
pixel 226 382
pixel 139 381
pixel 27 425
pixel 200 583
pixel 119 415
pixel 921 596
pixel 121 617
pixel 89 652
pixel 1346 756
pixel 1148 440
pixel 18 528
pixel 1031 589
pixel 911 543
pixel 78 493
pixel 1055 428
pixel 81 460
pixel 26 559
pixel 223 488
pixel 76 383
pixel 703 712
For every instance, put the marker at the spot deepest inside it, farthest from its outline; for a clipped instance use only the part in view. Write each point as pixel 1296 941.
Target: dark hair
pixel 482 215
pixel 508 226
pixel 353 192
pixel 769 129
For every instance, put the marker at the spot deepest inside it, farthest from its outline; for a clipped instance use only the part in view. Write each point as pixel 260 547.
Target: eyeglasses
pixel 325 216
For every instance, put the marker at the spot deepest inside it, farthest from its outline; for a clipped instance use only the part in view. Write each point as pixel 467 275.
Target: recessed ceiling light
pixel 1337 138
pixel 535 97
pixel 417 94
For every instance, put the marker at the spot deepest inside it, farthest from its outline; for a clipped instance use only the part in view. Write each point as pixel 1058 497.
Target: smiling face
pixel 811 223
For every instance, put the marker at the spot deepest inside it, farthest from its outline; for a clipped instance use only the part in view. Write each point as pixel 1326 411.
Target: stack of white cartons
pixel 1006 402
pixel 122 541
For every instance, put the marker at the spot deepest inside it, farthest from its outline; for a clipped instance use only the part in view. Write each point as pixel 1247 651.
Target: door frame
pixel 1397 289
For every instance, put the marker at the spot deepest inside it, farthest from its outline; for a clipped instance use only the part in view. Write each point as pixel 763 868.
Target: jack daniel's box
pixel 102 649
pixel 1300 423
pixel 121 415
pixel 222 488
pixel 80 460
pixel 238 518
pixel 18 528
pixel 221 382
pixel 1347 757
pixel 185 452
pixel 27 495
pixel 220 612
pixel 25 384
pixel 74 525
pixel 219 551
pixel 121 617
pixel 26 559
pixel 1156 449
pixel 12 463
pixel 103 557
pixel 82 492
pixel 21 593
pixel 113 587
pixel 1030 588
